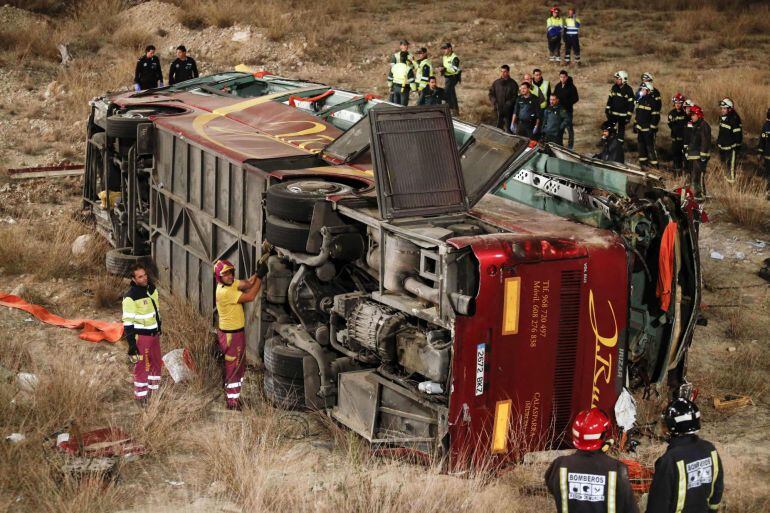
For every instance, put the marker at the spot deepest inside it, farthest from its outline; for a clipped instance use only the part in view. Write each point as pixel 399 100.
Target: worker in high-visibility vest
pixel 403 46
pixel 542 85
pixel 142 328
pixel 450 69
pixel 689 477
pixel 423 69
pixel 572 37
pixel 590 481
pixel 401 80
pixel 554 27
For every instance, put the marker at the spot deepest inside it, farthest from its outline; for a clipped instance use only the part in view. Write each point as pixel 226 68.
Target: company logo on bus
pixel 603 346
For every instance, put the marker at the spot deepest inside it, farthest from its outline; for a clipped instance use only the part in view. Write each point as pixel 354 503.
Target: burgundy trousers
pixel 147 369
pixel 233 346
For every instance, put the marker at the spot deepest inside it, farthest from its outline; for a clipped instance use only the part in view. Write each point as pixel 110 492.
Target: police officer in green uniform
pixel 423 69
pixel 450 68
pixel 401 80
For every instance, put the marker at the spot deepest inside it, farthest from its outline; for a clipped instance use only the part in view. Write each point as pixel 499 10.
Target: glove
pixel 137 88
pixel 262 268
pixel 160 84
pixel 133 352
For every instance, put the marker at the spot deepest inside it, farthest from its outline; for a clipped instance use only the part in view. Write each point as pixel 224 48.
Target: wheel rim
pixel 315 188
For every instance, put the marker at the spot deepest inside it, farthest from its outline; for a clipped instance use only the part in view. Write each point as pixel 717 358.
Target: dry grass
pixel 746 86
pixel 744 200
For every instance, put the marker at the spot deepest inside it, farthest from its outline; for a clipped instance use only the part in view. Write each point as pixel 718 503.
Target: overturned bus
pixel 433 285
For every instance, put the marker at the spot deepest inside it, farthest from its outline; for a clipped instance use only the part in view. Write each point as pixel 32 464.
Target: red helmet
pixel 555 10
pixel 221 266
pixel 678 98
pixel 590 430
pixel 697 111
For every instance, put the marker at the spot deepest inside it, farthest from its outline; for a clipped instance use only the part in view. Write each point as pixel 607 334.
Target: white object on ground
pixel 241 35
pixel 16 437
pixel 430 387
pixel 625 410
pixel 26 381
pixel 740 255
pixel 81 244
pixel 716 255
pixel 177 366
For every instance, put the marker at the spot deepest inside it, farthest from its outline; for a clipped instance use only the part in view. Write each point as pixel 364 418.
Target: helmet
pixel 647 85
pixel 647 77
pixel 220 266
pixel 622 75
pixel 682 417
pixel 697 111
pixel 678 98
pixel 726 103
pixel 555 10
pixel 689 103
pixel 590 429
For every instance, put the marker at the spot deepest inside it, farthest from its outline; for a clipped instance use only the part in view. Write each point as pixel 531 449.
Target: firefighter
pixel 403 46
pixel 401 80
pixel 730 136
pixel 541 87
pixel 502 96
pixel 620 104
pixel 677 122
pixel 590 481
pixel 764 150
pixel 658 104
pixel 698 150
pixel 142 329
pixel 450 69
pixel 433 94
pixel 688 105
pixel 527 115
pixel 611 147
pixel 423 69
pixel 554 121
pixel 645 108
pixel 572 37
pixel 148 74
pixel 231 294
pixel 568 97
pixel 553 30
pixel 689 477
pixel 183 68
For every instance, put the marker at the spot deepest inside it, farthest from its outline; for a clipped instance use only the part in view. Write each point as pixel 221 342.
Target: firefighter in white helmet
pixel 730 136
pixel 620 104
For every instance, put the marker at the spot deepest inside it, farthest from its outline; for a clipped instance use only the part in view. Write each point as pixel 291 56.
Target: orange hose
pixel 92 331
pixel 293 98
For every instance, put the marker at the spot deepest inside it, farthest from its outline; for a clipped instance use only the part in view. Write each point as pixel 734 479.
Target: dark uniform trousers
pixel 450 83
pixel 590 482
pixel 689 478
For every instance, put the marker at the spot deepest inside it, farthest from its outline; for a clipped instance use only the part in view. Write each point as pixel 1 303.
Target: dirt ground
pixel 202 458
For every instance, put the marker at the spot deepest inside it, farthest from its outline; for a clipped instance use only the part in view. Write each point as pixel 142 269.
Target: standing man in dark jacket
pixel 657 104
pixel 527 115
pixel 689 477
pixel 433 94
pixel 677 123
pixel 620 104
pixel 730 136
pixel 764 150
pixel 698 150
pixel 645 108
pixel 567 93
pixel 554 122
pixel 183 68
pixel 611 147
pixel 589 481
pixel 502 96
pixel 148 74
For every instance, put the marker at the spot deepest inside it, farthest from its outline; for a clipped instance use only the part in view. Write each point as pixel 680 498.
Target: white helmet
pixel 648 86
pixel 647 77
pixel 622 75
pixel 689 103
pixel 727 103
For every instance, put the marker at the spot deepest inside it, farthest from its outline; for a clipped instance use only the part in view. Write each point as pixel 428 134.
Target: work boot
pixel 142 402
pixel 234 404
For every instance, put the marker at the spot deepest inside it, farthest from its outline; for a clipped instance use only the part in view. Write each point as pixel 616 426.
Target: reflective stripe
pixel 682 490
pixel 725 125
pixel 233 385
pixel 137 384
pixel 153 387
pixel 737 129
pixel 140 394
pixel 564 492
pixel 234 396
pixel 714 475
pixel 643 107
pixel 613 477
pixel 128 324
pixel 145 316
pixel 127 315
pixel 156 378
pixel 147 327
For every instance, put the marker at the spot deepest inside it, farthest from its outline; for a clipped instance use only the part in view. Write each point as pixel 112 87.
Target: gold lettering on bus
pixel 603 346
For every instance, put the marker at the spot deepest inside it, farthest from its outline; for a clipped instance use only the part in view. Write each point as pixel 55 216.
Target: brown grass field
pixel 204 459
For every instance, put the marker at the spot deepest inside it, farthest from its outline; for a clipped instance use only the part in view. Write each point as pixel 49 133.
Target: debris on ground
pixel 180 365
pixel 16 438
pixel 109 442
pixel 732 402
pixel 625 410
pixel 640 475
pixel 82 244
pixel 27 382
pixel 716 255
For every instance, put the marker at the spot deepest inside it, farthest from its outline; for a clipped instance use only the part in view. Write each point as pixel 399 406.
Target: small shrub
pixel 744 200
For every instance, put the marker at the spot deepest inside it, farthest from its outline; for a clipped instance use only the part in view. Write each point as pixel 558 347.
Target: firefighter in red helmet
pixel 698 150
pixel 231 294
pixel 589 481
